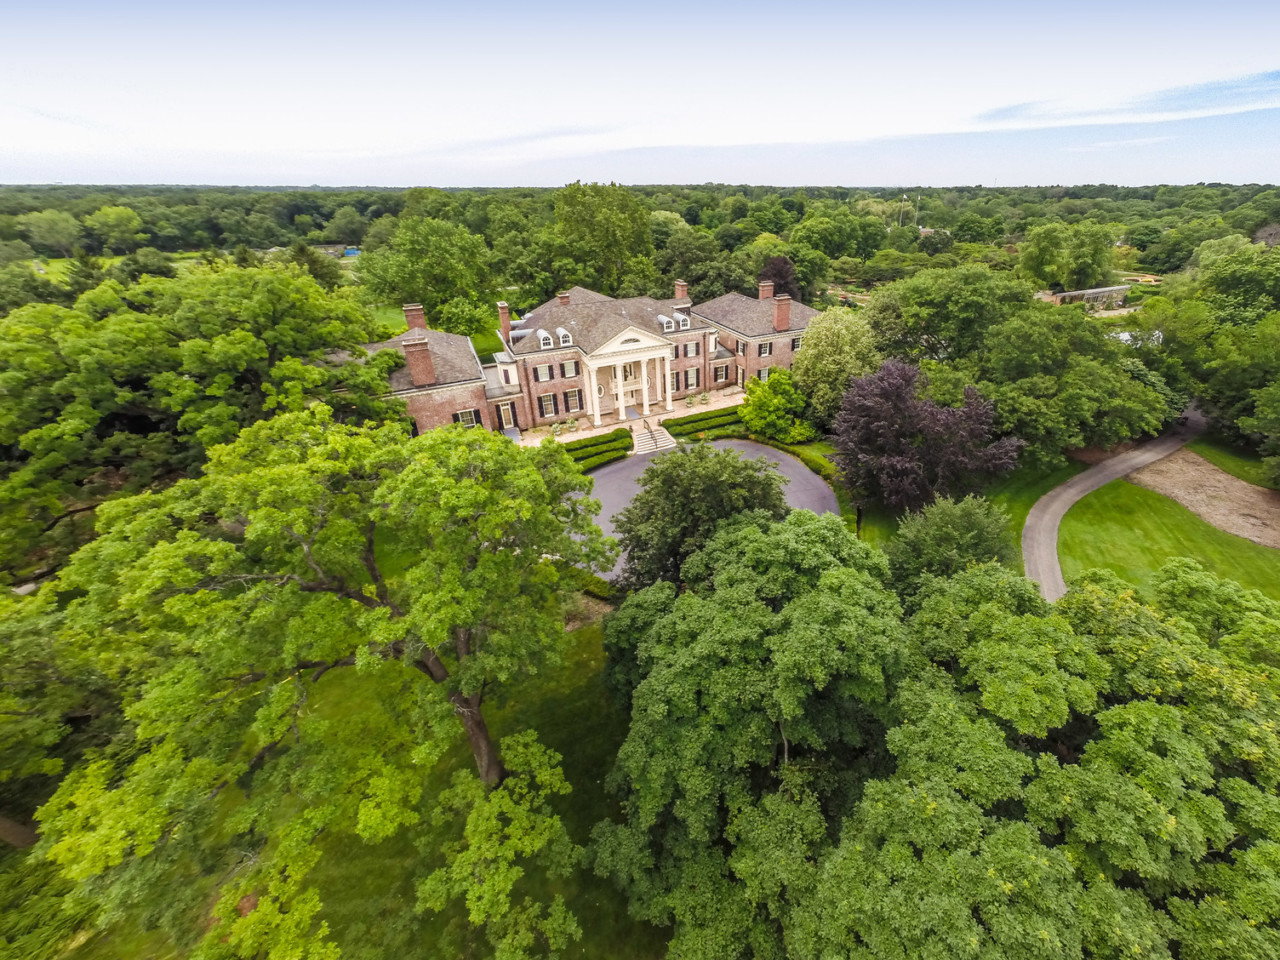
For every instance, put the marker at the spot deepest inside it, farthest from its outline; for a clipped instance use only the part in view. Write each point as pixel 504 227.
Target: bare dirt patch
pixel 1215 496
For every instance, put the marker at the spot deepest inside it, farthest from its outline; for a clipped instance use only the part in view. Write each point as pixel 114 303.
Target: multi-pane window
pixel 742 347
pixel 795 343
pixel 675 380
pixel 764 373
pixel 545 342
pixel 542 373
pixel 765 350
pixel 566 340
pixel 569 368
pixel 691 379
pixel 467 418
pixel 675 352
pixel 722 373
pixel 691 349
pixel 572 401
pixel 547 405
pixel 684 322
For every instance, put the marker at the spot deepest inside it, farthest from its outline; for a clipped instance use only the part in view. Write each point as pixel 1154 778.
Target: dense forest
pixel 281 679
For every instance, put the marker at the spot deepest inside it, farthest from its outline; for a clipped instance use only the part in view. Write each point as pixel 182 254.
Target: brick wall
pixel 435 408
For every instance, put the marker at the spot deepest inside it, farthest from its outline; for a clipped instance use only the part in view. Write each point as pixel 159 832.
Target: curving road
pixel 618 482
pixel 1040 533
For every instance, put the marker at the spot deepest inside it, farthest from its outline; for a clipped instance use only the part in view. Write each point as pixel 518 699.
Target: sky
pixel 385 93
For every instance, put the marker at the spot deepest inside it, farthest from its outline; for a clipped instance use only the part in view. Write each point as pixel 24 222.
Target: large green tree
pixel 431 262
pixel 838 345
pixel 1069 257
pixel 606 224
pixel 320 618
pixel 131 386
pixel 52 231
pixel 118 227
pixel 683 495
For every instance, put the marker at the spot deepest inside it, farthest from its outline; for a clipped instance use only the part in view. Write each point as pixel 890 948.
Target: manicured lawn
pixel 1132 531
pixel 1241 462
pixel 1019 491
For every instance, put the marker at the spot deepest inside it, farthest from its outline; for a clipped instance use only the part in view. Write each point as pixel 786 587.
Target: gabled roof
pixel 750 317
pixel 592 320
pixel 452 356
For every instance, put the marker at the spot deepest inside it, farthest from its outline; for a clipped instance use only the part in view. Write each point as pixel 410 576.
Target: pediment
pixel 633 338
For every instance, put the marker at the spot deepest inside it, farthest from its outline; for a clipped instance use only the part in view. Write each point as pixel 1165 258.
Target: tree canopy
pixel 838 345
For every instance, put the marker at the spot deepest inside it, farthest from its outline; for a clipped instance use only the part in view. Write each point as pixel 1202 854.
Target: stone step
pixel 653 441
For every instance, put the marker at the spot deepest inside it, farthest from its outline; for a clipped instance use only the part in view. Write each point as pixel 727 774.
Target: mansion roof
pixel 453 357
pixel 591 320
pixel 750 317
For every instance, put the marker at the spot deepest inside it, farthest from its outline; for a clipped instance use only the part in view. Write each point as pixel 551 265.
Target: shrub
pixel 619 439
pixel 592 463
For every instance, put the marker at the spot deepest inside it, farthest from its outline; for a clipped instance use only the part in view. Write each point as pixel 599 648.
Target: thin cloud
pixel 1215 98
pixel 1116 144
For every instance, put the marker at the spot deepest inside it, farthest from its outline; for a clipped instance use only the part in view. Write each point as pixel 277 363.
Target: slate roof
pixel 592 320
pixel 750 317
pixel 453 357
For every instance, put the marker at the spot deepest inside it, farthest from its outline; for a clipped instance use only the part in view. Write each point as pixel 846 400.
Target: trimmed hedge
pixel 688 429
pixel 586 442
pixel 679 423
pixel 591 463
pixel 590 447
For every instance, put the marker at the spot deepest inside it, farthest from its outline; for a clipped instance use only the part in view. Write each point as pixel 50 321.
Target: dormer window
pixel 667 324
pixel 565 339
pixel 684 321
pixel 544 340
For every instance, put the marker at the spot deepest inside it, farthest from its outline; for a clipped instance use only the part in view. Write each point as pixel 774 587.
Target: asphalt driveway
pixel 617 483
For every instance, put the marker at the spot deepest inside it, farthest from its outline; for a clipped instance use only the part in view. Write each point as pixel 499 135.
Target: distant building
pixel 586 355
pixel 1100 297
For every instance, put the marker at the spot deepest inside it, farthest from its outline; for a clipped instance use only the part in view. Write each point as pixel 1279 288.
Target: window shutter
pixel 479 421
pixel 457 418
pixel 536 377
pixel 562 373
pixel 555 404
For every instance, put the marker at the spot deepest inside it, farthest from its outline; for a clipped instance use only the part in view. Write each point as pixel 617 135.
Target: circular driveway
pixel 617 483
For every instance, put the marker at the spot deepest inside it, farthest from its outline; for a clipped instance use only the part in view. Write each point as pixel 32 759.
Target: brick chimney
pixel 504 321
pixel 415 316
pixel 563 297
pixel 766 289
pixel 682 290
pixel 417 355
pixel 782 313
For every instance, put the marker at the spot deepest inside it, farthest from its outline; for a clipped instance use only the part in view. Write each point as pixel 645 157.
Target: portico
pixel 632 369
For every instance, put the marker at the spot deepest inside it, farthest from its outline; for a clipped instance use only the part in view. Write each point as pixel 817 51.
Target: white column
pixel 617 386
pixel 595 397
pixel 644 377
pixel 666 377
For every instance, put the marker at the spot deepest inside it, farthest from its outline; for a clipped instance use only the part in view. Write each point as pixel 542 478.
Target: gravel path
pixel 1040 533
pixel 618 482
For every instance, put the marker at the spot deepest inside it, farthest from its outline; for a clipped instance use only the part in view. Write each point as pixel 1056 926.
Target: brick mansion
pixel 586 355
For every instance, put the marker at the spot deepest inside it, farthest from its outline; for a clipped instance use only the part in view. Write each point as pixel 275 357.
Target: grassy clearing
pixel 1132 531
pixel 1241 462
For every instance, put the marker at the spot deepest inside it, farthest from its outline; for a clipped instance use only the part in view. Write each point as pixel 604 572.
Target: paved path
pixel 1040 533
pixel 618 482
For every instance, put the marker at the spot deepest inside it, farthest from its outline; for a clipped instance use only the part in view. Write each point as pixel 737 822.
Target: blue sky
pixel 488 94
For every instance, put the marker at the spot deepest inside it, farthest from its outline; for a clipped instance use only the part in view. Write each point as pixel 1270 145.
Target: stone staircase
pixel 652 441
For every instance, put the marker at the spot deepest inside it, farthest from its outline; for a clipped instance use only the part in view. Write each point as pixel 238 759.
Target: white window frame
pixel 545 342
pixel 675 381
pixel 468 418
pixel 668 324
pixel 544 372
pixel 566 340
pixel 795 343
pixel 742 348
pixel 763 374
pixel 684 323
pixel 628 372
pixel 547 405
pixel 571 368
pixel 573 401
pixel 721 373
pixel 691 348
pixel 765 349
pixel 694 374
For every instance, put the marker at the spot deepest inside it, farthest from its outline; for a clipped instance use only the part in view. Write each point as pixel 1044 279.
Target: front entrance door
pixel 507 415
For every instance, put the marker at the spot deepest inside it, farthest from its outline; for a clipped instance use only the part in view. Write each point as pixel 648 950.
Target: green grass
pixel 1132 531
pixel 1019 491
pixel 1241 462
